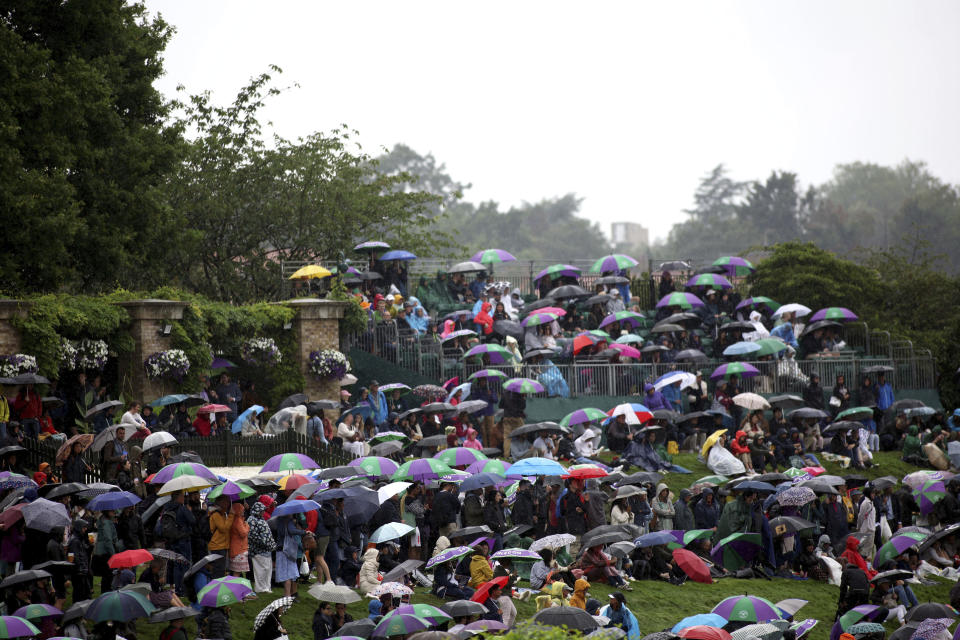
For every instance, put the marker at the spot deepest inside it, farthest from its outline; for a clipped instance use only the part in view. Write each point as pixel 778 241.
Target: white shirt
pixel 133 418
pixel 545 448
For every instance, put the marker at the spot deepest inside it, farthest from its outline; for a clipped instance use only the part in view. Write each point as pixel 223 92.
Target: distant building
pixel 632 239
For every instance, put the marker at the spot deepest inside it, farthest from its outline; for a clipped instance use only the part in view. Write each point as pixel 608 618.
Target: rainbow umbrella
pixel 833 313
pixel 496 353
pixel 747 608
pixel 492 256
pixel 289 462
pixel 459 456
pixel 624 317
pixel 736 551
pixel 929 494
pixel 523 385
pixel 488 373
pixel 422 469
pixel 447 555
pixel 583 416
pixel 896 545
pixel 16 627
pixel 178 469
pixel 539 318
pixel 497 466
pixel 735 265
pixel 680 299
pixel 375 465
pixel 711 280
pixel 119 606
pixel 232 490
pixel 613 262
pixel 741 369
pixel 557 271
pixel 222 592
pixel 757 302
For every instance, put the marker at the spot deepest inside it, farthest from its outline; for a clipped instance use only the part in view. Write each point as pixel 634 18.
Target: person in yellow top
pixel 480 570
pixel 4 415
pixel 559 591
pixel 221 522
pixel 579 597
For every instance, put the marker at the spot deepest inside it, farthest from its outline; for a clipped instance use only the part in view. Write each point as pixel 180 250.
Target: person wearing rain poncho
pixel 552 380
pixel 587 444
pixel 620 616
pixel 912 451
pixel 718 457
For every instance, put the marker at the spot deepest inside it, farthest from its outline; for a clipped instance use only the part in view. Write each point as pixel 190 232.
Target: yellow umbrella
pixel 311 271
pixel 712 440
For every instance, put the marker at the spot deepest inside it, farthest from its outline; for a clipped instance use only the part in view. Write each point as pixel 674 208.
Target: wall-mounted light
pixel 166 330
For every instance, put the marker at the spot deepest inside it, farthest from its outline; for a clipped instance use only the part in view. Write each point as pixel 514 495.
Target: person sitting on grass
pixel 620 616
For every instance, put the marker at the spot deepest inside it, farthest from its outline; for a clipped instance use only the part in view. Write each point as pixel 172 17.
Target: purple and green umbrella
pixel 869 612
pixel 119 606
pixel 223 592
pixel 760 303
pixel 623 317
pixel 804 627
pixel 747 608
pixel 36 611
pixel 371 245
pixel 387 436
pixel 497 466
pixel 557 271
pixel 399 624
pixel 289 462
pixel 711 280
pixel 917 478
pixel 928 494
pixel 488 373
pixel 422 469
pixel 583 416
pixel 841 314
pixel 459 456
pixel 428 612
pixel 741 369
pixel 735 265
pixel 897 544
pixel 375 465
pixel 735 552
pixel 231 489
pixel 460 333
pixel 496 353
pixel 492 256
pixel 613 262
pixel 516 554
pixel 523 385
pixel 680 299
pixel 16 627
pixel 539 318
pixel 178 469
pixel 683 538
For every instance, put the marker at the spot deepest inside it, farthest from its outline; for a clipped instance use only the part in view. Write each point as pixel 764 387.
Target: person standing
pixel 221 523
pixel 107 545
pixel 261 546
pixel 514 407
pixel 446 508
pixel 239 530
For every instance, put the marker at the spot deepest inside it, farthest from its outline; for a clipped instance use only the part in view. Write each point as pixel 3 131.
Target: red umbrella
pixel 584 341
pixel 213 408
pixel 585 471
pixel 129 559
pixel 484 591
pixel 703 632
pixel 692 565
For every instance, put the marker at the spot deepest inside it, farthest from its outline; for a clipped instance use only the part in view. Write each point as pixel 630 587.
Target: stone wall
pixel 10 337
pixel 147 321
pixel 317 326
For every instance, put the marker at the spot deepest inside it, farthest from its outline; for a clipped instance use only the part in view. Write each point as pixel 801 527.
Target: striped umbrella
pixel 613 262
pixel 735 265
pixel 711 280
pixel 747 608
pixel 741 369
pixel 683 538
pixel 634 412
pixel 516 554
pixel 232 490
pixel 523 385
pixel 16 627
pixel 833 313
pixel 428 612
pixel 539 318
pixel 623 317
pixel 928 494
pixel 737 551
pixel 492 256
pixel 289 462
pixel 400 624
pixel 498 467
pixel 459 456
pixel 36 611
pixel 222 592
pixel 583 416
pixel 869 612
pixel 488 373
pixel 371 245
pixel 422 469
pixel 375 465
pixel 496 353
pixel 680 299
pixel 178 469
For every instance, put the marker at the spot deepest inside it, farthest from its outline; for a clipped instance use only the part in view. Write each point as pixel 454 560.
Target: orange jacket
pixel 238 531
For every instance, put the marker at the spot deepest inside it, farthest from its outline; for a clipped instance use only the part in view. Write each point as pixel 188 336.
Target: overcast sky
pixel 626 104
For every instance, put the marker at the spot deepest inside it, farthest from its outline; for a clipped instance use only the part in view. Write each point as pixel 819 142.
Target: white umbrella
pixel 158 439
pixel 751 401
pixel 185 483
pixel 554 541
pixel 334 593
pixel 626 410
pixel 347 380
pixel 797 309
pixel 386 492
pixel 686 380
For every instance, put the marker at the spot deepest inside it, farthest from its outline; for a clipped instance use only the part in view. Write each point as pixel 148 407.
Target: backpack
pixel 169 529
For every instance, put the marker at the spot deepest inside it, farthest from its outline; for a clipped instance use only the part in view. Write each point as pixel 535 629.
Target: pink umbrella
pixel 626 351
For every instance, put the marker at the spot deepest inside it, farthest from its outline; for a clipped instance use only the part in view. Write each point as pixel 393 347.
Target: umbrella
pixel 493 351
pixel 66 489
pixel 173 613
pixel 222 592
pixel 804 627
pixel 16 627
pixel 741 349
pixel 119 606
pixel 684 538
pixel 634 412
pixel 232 490
pixel 280 604
pixel 339 594
pixel 704 632
pixel 931 610
pixel 295 506
pixel 375 465
pixel 691 355
pixel 861 612
pixel 682 300
pixel 585 472
pixel 402 569
pixel 398 254
pixel 158 439
pixel 393 588
pixel 741 369
pixel 747 608
pixel 459 456
pixel 555 541
pixel 516 554
pixel 736 551
pixel 400 624
pixel 180 469
pixel 834 313
pixel 310 271
pixel 492 256
pixel 467 267
pixel 113 501
pixel 607 533
pixel 897 544
pixel 289 462
pixel 448 554
pixel 430 391
pixel 44 515
pixel 711 280
pixel 391 531
pixel 692 565
pixel 185 483
pixel 247 415
pixel 498 467
pixel 214 408
pixel 735 265
pixel 357 629
pixel 333 473
pixel 683 377
pixel 463 608
pixel 762 631
pixel 527 429
pixel 785 400
pixel 916 479
pixel 85 440
pixel 653 539
pixel 537 467
pixel 523 385
pixel 201 563
pixel 613 262
pixel 422 470
pixel 751 401
pixel 36 611
pixel 20 577
pixel 704 619
pixel 855 413
pixel 129 559
pixel 927 495
pixel 890 576
pixel 568 291
pixel 796 496
pixel 103 406
pixel 569 617
pixel 760 303
pixel 371 246
pixel 789 524
pixel 480 481
pixel 623 317
pixel 583 416
pixel 293 481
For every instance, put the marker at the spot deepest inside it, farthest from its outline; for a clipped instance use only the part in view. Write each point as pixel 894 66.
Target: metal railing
pixel 880 343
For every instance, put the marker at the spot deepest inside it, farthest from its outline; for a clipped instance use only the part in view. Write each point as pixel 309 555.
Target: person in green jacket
pixel 107 545
pixel 912 451
pixel 737 516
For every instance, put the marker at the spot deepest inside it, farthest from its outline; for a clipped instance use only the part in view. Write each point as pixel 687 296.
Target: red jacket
pixel 738 448
pixel 483 318
pixel 28 406
pixel 852 554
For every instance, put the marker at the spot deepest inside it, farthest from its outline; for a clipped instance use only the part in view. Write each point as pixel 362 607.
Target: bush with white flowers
pixel 68 355
pixel 328 364
pixel 14 365
pixel 172 363
pixel 261 352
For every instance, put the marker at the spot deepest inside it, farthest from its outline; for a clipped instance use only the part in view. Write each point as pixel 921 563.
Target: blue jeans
pixel 31 427
pixel 905 595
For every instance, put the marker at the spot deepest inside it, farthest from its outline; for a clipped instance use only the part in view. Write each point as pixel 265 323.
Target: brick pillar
pixel 9 336
pixel 317 326
pixel 147 320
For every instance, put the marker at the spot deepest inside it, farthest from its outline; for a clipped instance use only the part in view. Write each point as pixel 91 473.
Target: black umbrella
pixel 292 401
pixel 918 613
pixel 361 628
pixel 819 324
pixel 340 472
pixel 12 498
pixel 650 348
pixel 906 631
pixel 317 407
pixel 568 291
pixel 66 489
pixel 939 535
pixel 537 427
pixel 906 403
pixel 76 610
pixel 841 426
pixel 186 456
pixel 533 306
pixel 695 414
pixel 370 275
pixel 56 566
pixel 200 564
pixel 533 353
pixel 437 407
pixel 388 448
pixel 882 483
pixel 642 477
pixel 155 507
pixel 14 448
pixel 30 575
pixel 508 328
pixel 173 613
pixel 430 441
pixel 666 414
pixel 491 452
pixel 608 534
pixel 691 355
pixel 877 368
pixel 601 298
pixel 434 634
pixel 258 483
pixel 738 325
pixel 807 412
pixel 789 524
pixel 569 617
pixel 519 530
pixel 612 280
pixel 467 267
pixel 463 608
pixel 359 481
pixel 666 327
pixel 103 406
pixel 675 265
pixel 890 576
pixel 467 532
pixel 785 400
pixel 854 480
pixel 772 478
pixel 402 569
pixel 711 268
pixel 820 488
pixel 30 378
pixel 685 319
pixel 167 554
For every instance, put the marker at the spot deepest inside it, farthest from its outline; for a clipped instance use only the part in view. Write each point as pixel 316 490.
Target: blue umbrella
pixel 465 387
pixel 295 506
pixel 704 619
pixel 653 539
pixel 113 501
pixel 175 398
pixel 537 467
pixel 480 480
pixel 741 348
pixel 398 254
pixel 391 531
pixel 363 410
pixel 237 425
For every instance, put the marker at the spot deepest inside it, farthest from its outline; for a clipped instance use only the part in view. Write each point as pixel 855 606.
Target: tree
pixel 83 144
pixel 249 206
pixel 426 174
pixel 775 209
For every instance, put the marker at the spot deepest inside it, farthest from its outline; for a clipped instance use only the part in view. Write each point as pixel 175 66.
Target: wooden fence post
pixel 228 446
